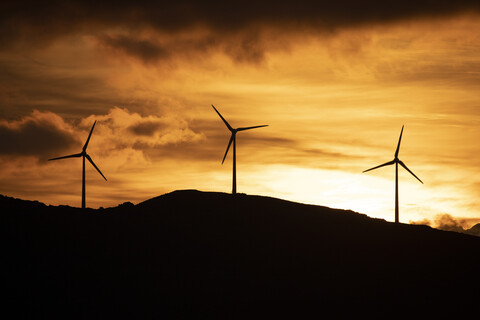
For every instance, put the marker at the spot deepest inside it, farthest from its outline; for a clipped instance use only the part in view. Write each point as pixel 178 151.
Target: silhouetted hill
pixel 474 231
pixel 191 254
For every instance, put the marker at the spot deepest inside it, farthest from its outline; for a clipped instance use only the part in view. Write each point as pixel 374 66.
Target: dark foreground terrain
pixel 191 254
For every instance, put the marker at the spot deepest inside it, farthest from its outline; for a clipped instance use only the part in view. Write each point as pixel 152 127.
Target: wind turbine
pixel 84 155
pixel 233 139
pixel 396 161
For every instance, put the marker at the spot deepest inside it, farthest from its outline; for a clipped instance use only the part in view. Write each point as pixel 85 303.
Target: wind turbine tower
pixel 84 155
pixel 396 161
pixel 233 139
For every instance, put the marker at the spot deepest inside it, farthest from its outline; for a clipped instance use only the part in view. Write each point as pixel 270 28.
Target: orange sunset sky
pixel 335 82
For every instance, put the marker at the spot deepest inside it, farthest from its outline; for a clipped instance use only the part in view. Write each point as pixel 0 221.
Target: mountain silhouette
pixel 475 230
pixel 191 254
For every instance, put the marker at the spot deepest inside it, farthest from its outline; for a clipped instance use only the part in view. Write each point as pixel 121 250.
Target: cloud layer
pixel 58 17
pixel 236 28
pixel 46 134
pixel 39 134
pixel 121 128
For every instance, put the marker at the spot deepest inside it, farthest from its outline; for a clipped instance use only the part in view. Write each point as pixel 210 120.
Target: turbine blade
pixel 404 166
pixel 225 121
pixel 89 135
pixel 93 164
pixel 399 140
pixel 382 165
pixel 76 155
pixel 229 143
pixel 248 128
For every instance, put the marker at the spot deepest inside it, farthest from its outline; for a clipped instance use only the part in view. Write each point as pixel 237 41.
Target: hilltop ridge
pixel 213 255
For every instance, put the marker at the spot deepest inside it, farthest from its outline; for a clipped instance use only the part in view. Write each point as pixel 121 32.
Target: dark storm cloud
pixel 26 86
pixel 39 135
pixel 155 48
pixel 146 128
pixel 33 21
pixel 245 46
pixel 147 51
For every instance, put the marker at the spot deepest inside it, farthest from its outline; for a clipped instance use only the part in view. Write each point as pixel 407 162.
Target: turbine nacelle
pixel 234 131
pixel 396 160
